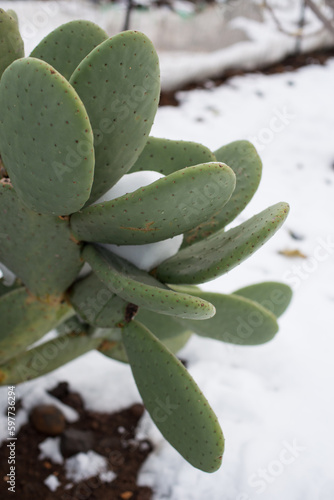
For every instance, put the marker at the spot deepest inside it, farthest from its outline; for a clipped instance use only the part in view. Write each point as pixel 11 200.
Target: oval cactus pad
pixel 161 210
pixel 167 156
pixel 242 158
pixel 65 47
pixel 173 399
pixel 272 295
pixel 46 139
pixel 222 251
pixel 140 288
pixel 25 319
pixel 11 43
pixel 238 320
pixel 119 84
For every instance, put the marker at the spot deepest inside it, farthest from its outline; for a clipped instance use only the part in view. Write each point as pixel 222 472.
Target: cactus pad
pixel 272 295
pixel 25 319
pixel 166 156
pixel 47 357
pixel 11 43
pixel 219 253
pixel 237 320
pixel 119 85
pixel 39 249
pixel 46 140
pixel 96 304
pixel 140 288
pixel 242 158
pixel 188 196
pixel 174 401
pixel 65 47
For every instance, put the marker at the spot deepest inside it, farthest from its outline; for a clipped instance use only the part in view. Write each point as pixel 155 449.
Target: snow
pixel 188 57
pixel 274 402
pixel 8 276
pixel 85 465
pixel 52 482
pixel 148 256
pixel 50 449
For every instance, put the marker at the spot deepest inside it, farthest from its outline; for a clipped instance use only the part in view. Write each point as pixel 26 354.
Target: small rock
pixel 60 391
pixel 127 495
pixel 48 419
pixel 74 441
pixel 137 410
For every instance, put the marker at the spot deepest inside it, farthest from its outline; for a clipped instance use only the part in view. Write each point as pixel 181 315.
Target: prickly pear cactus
pixel 70 128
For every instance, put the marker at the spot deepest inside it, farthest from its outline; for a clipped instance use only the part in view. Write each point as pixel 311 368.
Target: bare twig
pixel 129 7
pixel 325 21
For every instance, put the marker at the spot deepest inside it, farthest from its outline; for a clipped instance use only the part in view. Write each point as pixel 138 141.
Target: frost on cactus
pixel 106 231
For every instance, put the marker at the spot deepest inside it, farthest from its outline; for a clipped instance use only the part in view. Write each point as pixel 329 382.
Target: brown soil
pixel 113 437
pixel 291 63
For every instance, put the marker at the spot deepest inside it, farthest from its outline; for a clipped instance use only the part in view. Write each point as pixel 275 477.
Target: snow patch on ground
pixel 85 465
pixel 52 482
pixel 262 42
pixel 50 449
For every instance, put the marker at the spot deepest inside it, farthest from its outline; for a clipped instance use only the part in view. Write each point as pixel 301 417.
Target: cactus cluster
pixel 75 117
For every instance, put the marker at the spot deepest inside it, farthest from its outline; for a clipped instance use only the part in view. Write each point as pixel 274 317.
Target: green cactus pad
pixel 46 140
pixel 166 156
pixel 114 350
pixel 46 357
pixel 39 249
pixel 175 344
pixel 13 14
pixel 65 47
pixel 167 329
pixel 161 210
pixel 120 86
pixel 237 320
pixel 163 327
pixel 174 401
pixel 24 320
pixel 222 251
pixel 242 158
pixel 11 43
pixel 96 304
pixel 272 295
pixel 140 288
pixel 7 289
